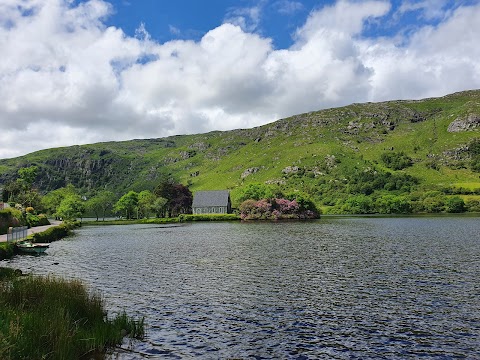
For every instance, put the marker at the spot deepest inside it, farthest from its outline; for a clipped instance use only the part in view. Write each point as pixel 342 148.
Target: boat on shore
pixel 27 247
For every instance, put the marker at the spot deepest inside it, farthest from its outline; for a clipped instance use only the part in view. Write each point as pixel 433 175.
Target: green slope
pixel 314 152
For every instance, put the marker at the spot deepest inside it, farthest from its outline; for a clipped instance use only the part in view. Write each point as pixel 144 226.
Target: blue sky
pixel 277 19
pixel 98 70
pixel 194 18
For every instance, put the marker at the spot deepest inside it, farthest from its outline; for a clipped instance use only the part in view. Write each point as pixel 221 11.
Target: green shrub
pixel 359 204
pixel 52 234
pixel 392 204
pixel 474 147
pixel 455 204
pixel 475 163
pixel 7 250
pixel 434 204
pixel 36 220
pixel 473 205
pixel 396 160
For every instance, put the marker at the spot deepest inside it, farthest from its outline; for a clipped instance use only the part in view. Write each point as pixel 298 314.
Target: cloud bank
pixel 66 78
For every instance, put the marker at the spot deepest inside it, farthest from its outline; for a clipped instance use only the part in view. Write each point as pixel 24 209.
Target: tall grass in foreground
pixel 51 318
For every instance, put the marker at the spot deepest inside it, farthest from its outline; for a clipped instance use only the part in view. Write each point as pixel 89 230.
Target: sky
pixel 78 72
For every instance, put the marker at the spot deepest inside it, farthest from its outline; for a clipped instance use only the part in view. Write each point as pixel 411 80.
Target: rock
pixel 290 170
pixel 330 161
pixel 201 146
pixel 187 154
pixel 471 123
pixel 249 172
pixel 456 154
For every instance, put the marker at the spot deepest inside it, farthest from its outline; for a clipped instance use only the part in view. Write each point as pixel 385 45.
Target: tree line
pixel 168 199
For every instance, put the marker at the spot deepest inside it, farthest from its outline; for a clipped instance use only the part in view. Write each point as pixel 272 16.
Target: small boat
pixel 28 247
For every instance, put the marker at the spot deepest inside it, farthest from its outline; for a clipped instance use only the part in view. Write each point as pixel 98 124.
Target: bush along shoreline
pixel 55 233
pixel 7 250
pixel 172 220
pixel 52 318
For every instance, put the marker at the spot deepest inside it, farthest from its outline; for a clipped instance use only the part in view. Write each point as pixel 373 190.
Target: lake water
pixel 337 288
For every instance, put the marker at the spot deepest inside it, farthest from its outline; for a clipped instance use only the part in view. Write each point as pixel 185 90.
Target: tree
pixel 51 201
pixel 71 208
pixel 165 188
pixel 127 204
pixel 31 198
pixel 21 190
pixel 455 204
pixel 434 203
pixel 393 204
pixel 181 201
pixel 11 190
pixel 159 206
pixel 304 201
pixel 257 192
pixel 179 197
pixel 101 203
pixel 27 176
pixel 359 204
pixel 146 200
pixel 28 196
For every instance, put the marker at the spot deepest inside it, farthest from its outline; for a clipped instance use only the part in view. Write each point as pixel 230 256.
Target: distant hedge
pixel 53 234
pixel 208 217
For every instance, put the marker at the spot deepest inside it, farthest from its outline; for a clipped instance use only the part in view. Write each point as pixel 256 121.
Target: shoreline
pixel 34 230
pixel 44 234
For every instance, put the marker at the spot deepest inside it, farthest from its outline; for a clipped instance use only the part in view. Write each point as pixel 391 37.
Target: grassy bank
pixel 179 219
pixel 50 318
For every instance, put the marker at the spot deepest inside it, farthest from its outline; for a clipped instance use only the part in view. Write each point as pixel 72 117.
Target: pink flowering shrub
pixel 247 209
pixel 263 206
pixel 286 206
pixel 274 209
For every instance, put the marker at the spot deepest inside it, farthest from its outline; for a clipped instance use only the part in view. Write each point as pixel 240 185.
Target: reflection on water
pixel 342 288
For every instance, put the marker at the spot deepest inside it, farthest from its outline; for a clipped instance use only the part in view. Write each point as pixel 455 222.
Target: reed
pixel 52 318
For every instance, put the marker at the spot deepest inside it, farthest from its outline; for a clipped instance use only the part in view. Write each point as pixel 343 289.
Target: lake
pixel 337 288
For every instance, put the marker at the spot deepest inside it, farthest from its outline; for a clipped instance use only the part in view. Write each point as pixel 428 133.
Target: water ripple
pixel 347 288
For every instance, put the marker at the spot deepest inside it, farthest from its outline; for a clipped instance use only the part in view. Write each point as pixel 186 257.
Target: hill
pixel 394 146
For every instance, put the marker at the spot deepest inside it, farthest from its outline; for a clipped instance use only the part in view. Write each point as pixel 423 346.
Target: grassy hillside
pixel 324 153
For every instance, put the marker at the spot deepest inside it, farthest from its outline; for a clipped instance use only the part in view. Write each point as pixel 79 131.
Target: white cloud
pixel 174 30
pixel 66 78
pixel 430 9
pixel 287 7
pixel 437 60
pixel 247 18
pixel 343 17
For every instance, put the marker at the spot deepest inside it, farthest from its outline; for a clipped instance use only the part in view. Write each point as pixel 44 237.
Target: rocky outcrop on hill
pixel 469 123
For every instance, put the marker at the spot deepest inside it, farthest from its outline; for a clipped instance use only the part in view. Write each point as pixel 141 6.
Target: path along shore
pixel 37 229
